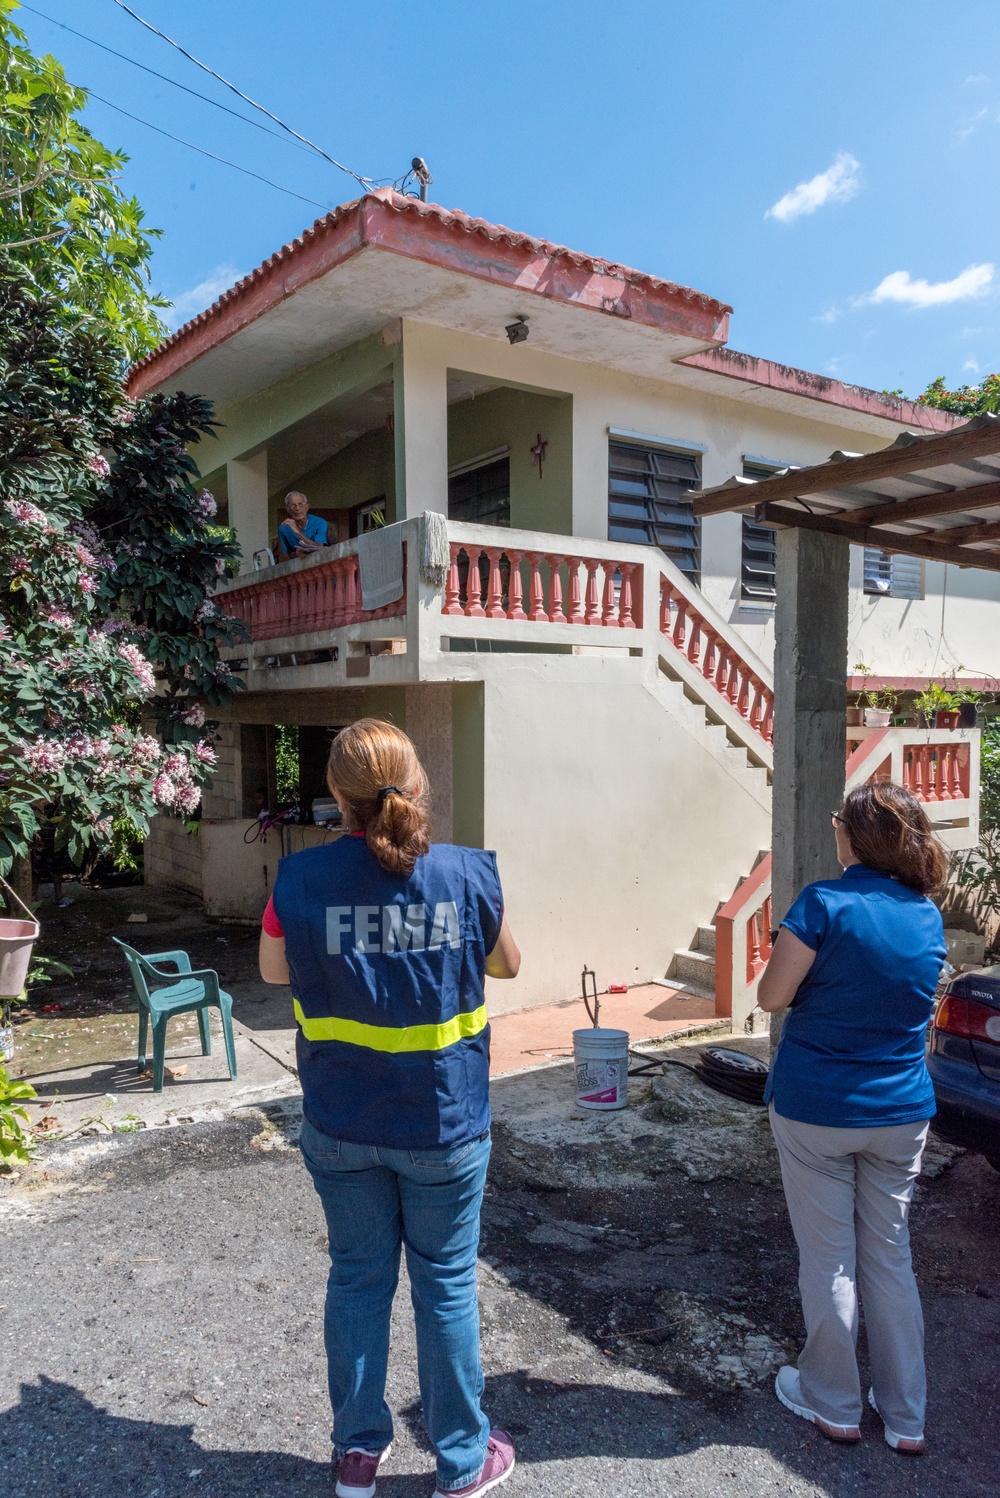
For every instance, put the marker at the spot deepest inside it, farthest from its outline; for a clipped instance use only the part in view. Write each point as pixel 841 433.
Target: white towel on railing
pixel 380 563
pixel 436 557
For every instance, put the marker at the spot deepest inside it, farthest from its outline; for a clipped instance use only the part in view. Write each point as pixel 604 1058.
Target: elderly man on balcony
pixel 300 533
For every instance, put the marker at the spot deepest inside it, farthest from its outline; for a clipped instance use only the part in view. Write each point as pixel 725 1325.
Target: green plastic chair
pixel 185 990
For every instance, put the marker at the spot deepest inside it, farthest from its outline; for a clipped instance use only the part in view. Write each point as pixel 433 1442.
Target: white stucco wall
pixel 619 821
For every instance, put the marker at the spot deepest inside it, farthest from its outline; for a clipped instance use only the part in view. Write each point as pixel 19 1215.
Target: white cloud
pixel 189 303
pixel 829 316
pixel 974 281
pixel 837 184
pixel 971 365
pixel 978 78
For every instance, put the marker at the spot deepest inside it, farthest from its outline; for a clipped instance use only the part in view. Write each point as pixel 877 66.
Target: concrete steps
pixel 695 966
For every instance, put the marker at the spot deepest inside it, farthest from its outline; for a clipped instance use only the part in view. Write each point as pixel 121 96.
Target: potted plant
pixel 937 707
pixel 879 702
pixel 855 709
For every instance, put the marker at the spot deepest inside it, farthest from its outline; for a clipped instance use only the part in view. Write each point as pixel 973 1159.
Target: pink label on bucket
pixel 609 1095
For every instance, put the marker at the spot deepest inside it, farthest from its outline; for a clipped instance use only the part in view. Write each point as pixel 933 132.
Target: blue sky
pixel 830 170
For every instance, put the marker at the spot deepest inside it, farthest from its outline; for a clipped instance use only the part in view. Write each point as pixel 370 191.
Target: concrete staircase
pixel 694 967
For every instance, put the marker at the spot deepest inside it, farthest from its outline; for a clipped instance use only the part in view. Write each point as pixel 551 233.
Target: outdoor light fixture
pixel 517 332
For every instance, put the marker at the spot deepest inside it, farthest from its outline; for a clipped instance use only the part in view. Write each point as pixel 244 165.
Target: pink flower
pixel 4 631
pixel 194 717
pixel 60 618
pixel 207 610
pixel 85 557
pixel 43 756
pixel 20 564
pixel 100 467
pixel 205 753
pixel 205 505
pixel 88 583
pixel 188 798
pixel 140 667
pixel 103 826
pixel 164 791
pixel 123 416
pixel 177 767
pixel 146 749
pixel 79 746
pixel 25 513
pixel 220 566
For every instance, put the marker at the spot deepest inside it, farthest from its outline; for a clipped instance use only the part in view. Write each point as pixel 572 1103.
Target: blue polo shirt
pixel 851 1055
pixel 314 529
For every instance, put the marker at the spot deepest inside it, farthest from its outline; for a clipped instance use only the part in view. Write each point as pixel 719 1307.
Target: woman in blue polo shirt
pixel 856 963
pixel 386 941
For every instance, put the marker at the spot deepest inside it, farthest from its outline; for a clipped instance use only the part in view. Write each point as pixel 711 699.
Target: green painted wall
pixel 468 785
pixel 358 473
pixel 515 418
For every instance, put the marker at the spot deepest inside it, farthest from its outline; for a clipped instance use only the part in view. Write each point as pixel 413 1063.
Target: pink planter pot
pixel 17 938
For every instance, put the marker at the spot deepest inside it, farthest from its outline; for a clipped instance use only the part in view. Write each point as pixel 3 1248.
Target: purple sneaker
pixel 498 1466
pixel 356 1473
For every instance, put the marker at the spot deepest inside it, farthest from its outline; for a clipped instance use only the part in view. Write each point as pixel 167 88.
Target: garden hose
pixel 733 1073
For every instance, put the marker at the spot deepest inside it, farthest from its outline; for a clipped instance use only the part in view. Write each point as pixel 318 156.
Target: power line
pixel 210 154
pixel 164 78
pixel 366 183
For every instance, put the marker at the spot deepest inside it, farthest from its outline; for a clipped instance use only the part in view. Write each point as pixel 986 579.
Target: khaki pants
pixel 848 1193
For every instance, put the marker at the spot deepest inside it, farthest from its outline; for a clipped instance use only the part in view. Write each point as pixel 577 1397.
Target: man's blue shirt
pixel 314 528
pixel 852 1051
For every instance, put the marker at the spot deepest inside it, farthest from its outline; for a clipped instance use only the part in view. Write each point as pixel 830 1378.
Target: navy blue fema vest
pixel 387 974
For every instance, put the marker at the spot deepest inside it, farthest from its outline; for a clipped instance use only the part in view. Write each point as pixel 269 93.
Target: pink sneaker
pixel 498 1466
pixel 356 1473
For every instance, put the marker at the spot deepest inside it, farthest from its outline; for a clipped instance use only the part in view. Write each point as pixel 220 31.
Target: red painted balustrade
pixel 937 772
pixel 720 662
pixel 324 596
pixel 496 582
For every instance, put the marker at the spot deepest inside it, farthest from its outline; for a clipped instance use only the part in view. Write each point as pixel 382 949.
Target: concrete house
pixel 506 433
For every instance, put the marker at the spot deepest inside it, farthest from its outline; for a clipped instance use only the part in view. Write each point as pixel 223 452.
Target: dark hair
pixel 889 831
pixel 375 768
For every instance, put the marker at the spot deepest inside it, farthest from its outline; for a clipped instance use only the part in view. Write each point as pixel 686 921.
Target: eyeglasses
pixel 836 819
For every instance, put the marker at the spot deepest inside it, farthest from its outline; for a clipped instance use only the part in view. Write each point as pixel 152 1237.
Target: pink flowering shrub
pixel 107 562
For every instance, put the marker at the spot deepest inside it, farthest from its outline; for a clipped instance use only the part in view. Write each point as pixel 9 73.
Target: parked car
pixel 963 1058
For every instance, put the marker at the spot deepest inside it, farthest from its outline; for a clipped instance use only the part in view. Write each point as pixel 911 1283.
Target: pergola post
pixel 810 700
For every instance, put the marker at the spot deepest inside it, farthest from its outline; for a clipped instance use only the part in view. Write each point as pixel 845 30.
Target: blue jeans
pixel 376 1200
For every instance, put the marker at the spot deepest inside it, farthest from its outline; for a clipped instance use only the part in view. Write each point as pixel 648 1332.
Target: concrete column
pixel 590 467
pixel 247 481
pixel 810 700
pixel 429 725
pixel 420 425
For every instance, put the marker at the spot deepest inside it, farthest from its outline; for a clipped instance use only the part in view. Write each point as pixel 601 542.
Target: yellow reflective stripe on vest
pixel 388 1038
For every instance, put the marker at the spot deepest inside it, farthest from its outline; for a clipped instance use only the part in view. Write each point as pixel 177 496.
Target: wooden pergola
pixel 936 497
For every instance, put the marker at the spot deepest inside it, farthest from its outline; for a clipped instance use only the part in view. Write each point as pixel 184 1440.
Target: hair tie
pixel 387 790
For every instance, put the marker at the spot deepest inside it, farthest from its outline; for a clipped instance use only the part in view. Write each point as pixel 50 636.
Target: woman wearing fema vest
pixel 856 963
pixel 386 940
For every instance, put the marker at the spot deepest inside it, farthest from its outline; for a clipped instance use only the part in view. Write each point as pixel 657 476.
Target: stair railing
pixel 939 766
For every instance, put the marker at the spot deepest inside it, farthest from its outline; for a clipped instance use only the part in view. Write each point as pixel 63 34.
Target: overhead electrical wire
pixel 364 182
pixel 165 79
pixel 210 154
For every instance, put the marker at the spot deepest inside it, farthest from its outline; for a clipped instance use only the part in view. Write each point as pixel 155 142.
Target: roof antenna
pixel 423 176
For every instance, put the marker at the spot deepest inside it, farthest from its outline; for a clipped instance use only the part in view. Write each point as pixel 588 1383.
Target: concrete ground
pixel 161 1296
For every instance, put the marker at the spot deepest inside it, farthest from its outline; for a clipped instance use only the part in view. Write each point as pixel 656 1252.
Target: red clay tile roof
pixel 443 237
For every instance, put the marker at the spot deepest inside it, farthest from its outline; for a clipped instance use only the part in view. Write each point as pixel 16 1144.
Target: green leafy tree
pixel 967 400
pixel 62 214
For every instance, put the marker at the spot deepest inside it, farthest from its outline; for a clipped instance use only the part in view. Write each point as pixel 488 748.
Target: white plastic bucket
pixel 16 941
pixel 601 1058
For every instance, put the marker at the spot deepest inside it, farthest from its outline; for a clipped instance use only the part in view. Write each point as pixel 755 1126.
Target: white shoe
pixel 788 1387
pixel 909 1445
